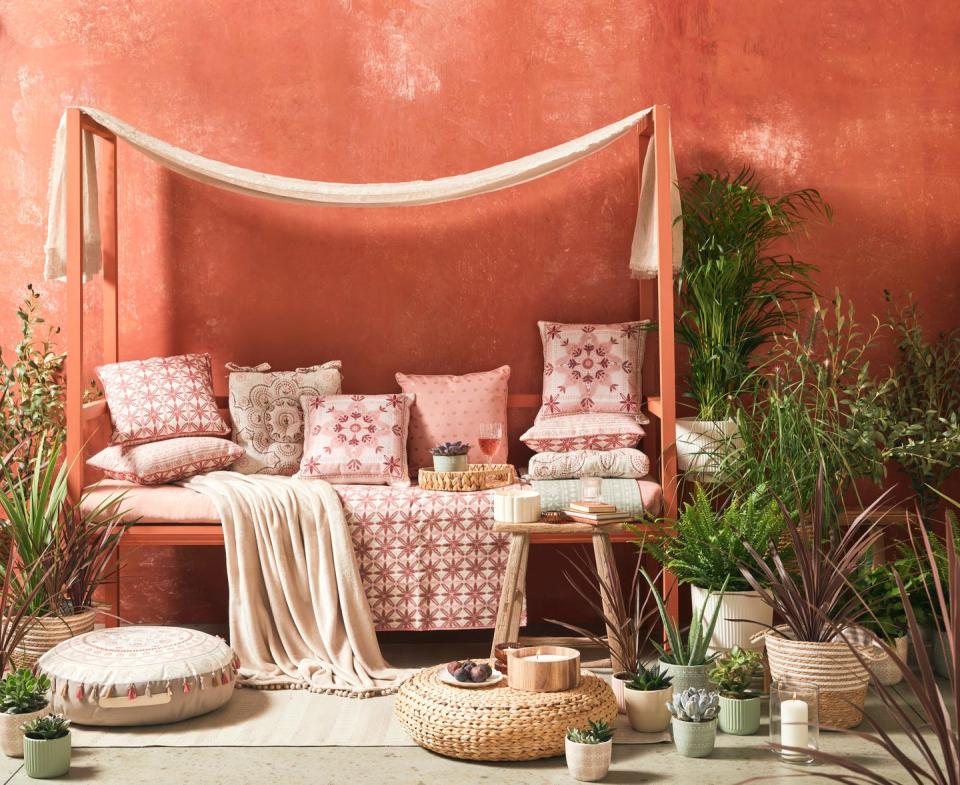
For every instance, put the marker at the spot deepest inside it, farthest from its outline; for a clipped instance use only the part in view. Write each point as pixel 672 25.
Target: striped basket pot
pixel 47 631
pixel 832 666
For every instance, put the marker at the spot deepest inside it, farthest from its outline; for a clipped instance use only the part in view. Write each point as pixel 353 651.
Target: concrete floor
pixel 735 760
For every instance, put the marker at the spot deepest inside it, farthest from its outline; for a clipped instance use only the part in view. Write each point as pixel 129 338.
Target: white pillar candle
pixel 794 721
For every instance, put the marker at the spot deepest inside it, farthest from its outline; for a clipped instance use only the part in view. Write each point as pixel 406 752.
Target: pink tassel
pixel 186 687
pixel 224 679
pixel 79 693
pixel 132 693
pixel 236 663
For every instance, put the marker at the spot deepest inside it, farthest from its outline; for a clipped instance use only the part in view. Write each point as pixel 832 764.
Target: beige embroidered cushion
pixel 267 416
pixel 624 463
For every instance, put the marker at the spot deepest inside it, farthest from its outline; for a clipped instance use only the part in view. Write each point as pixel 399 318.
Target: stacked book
pixel 596 513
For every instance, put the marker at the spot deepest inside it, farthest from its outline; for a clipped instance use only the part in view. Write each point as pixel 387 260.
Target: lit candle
pixel 794 720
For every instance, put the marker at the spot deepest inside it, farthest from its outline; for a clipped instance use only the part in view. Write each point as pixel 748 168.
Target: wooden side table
pixel 514 581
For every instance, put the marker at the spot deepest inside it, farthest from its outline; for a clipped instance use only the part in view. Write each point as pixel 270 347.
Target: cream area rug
pixel 285 718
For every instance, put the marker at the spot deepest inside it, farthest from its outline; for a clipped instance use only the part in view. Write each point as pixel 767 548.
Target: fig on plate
pixel 453 667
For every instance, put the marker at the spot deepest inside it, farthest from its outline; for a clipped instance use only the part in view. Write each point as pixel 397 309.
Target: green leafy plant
pixel 22 691
pixel 705 547
pixel 53 726
pixel 649 679
pixel 734 672
pixel 887 618
pixel 693 650
pixel 733 290
pixel 693 705
pixel 594 733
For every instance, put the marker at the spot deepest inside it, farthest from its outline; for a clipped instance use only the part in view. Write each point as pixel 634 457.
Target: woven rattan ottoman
pixel 497 723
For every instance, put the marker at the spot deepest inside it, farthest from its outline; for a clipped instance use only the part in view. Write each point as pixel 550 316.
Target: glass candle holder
pixel 795 719
pixel 590 489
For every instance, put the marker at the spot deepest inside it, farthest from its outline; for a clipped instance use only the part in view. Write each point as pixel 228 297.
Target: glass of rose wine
pixel 489 439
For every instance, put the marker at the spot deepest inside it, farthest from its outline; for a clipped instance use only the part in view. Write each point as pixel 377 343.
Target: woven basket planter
pixel 478 477
pixel 833 667
pixel 47 631
pixel 885 670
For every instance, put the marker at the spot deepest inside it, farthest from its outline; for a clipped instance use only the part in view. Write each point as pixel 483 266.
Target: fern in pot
pixel 739 705
pixel 704 548
pixel 733 291
pixel 589 750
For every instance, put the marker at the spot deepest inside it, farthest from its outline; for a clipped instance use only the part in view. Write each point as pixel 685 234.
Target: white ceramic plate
pixel 447 678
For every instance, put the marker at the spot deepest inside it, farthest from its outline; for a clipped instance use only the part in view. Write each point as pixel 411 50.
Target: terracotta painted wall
pixel 861 104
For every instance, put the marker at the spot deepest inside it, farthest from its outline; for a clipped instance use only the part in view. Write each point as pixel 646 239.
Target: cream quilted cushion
pixel 139 675
pixel 623 462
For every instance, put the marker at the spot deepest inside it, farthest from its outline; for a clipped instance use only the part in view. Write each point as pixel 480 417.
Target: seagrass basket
pixel 478 477
pixel 47 631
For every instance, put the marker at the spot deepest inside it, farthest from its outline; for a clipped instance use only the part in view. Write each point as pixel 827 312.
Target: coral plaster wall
pixel 858 99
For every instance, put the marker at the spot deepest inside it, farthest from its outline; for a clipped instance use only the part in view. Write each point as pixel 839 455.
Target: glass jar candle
pixel 591 489
pixel 794 719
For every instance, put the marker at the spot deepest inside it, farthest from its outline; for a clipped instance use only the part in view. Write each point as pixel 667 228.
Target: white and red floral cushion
pixel 165 461
pixel 623 463
pixel 453 408
pixel 161 398
pixel 584 432
pixel 591 368
pixel 267 416
pixel 356 438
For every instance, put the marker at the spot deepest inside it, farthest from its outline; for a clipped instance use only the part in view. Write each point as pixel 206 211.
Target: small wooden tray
pixel 478 477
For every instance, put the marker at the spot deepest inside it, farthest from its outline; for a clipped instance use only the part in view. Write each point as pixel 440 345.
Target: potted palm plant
pixel 686 661
pixel 704 549
pixel 694 720
pixel 23 697
pixel 646 697
pixel 46 747
pixel 733 291
pixel 739 705
pixel 589 750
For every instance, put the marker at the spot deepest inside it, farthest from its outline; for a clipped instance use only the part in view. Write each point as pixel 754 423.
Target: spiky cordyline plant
pixel 811 592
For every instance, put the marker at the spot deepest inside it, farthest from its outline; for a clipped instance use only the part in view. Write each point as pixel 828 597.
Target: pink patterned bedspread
pixel 428 560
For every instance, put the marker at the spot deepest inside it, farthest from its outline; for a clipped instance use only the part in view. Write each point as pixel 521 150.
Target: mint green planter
pixel 44 759
pixel 694 739
pixel 741 717
pixel 687 675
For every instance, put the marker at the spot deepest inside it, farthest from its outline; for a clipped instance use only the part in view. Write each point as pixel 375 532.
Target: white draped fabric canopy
pixel 643 254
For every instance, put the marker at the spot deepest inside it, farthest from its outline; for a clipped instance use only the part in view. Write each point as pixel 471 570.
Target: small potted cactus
pixel 23 696
pixel 739 706
pixel 694 721
pixel 450 457
pixel 46 747
pixel 646 695
pixel 589 750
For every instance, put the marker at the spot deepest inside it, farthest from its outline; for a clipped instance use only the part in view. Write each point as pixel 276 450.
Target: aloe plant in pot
pixel 739 705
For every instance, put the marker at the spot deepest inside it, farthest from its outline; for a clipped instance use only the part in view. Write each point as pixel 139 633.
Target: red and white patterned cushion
pixel 453 408
pixel 591 368
pixel 356 438
pixel 166 461
pixel 584 432
pixel 161 398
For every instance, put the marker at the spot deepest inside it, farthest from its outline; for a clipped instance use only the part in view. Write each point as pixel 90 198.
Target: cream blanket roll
pixel 299 617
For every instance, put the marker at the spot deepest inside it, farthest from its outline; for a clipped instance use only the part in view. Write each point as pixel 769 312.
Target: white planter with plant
pixel 46 747
pixel 646 696
pixel 23 697
pixel 701 443
pixel 589 751
pixel 739 705
pixel 450 457
pixel 694 722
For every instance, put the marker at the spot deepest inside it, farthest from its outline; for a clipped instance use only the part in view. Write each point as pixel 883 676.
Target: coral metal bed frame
pixel 655 300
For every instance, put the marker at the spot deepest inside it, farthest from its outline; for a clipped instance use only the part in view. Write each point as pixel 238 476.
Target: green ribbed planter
pixel 694 739
pixel 741 717
pixel 44 759
pixel 687 675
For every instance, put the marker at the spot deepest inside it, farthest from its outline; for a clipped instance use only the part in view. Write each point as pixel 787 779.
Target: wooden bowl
pixel 543 669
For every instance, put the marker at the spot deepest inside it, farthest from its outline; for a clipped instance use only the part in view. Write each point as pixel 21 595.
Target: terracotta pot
pixel 647 709
pixel 588 762
pixel 694 739
pixel 734 605
pixel 684 676
pixel 47 631
pixel 11 737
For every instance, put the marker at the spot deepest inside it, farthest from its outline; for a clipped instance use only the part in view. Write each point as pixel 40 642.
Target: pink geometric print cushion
pixel 356 438
pixel 452 408
pixel 591 368
pixel 161 398
pixel 166 461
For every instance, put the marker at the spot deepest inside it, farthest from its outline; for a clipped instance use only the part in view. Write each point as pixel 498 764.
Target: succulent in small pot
pixel 46 746
pixel 646 696
pixel 694 721
pixel 450 457
pixel 23 696
pixel 739 706
pixel 588 751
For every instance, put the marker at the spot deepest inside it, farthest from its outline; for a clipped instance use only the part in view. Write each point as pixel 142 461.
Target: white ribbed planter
pixel 700 442
pixel 734 605
pixel 618 685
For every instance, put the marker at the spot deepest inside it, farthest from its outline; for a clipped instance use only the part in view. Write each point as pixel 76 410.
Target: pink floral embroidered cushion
pixel 584 432
pixel 161 398
pixel 591 368
pixel 267 416
pixel 356 438
pixel 452 408
pixel 622 462
pixel 165 461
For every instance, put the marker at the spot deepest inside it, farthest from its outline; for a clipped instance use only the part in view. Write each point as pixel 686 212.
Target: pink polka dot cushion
pixel 452 408
pixel 139 675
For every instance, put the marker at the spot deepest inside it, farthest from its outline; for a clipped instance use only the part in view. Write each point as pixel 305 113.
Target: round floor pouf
pixel 139 675
pixel 497 723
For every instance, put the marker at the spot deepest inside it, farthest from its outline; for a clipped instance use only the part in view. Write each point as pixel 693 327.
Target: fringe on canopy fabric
pixel 643 254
